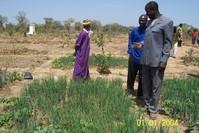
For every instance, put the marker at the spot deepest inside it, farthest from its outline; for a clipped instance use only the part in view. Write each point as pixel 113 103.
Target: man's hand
pixel 76 48
pixel 163 65
pixel 74 54
pixel 138 45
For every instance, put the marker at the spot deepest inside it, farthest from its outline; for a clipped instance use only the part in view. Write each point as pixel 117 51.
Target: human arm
pixel 129 41
pixel 167 43
pixel 78 43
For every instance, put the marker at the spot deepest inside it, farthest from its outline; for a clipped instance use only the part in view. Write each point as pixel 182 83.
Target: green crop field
pixel 63 106
pixel 180 100
pixel 68 61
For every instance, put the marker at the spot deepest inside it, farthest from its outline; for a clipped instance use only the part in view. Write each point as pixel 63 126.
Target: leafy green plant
pixel 120 62
pixel 6 119
pixel 103 61
pixel 191 58
pixel 7 115
pixel 194 128
pixel 111 61
pixel 12 76
pixel 99 40
pixel 6 77
pixel 63 62
pixel 103 64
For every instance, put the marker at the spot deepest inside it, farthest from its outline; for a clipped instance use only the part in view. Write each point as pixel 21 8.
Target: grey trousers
pixel 152 78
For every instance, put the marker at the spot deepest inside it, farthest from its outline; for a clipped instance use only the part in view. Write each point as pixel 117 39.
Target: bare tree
pixel 22 22
pixel 78 26
pixel 68 23
pixel 21 18
pixel 3 20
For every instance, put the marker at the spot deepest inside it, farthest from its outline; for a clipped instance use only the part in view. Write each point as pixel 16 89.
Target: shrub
pixel 68 61
pixel 191 58
pixel 63 62
pixel 102 60
pixel 112 61
pixel 6 77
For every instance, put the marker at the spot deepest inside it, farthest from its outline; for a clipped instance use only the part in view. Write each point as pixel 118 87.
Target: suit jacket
pixel 157 42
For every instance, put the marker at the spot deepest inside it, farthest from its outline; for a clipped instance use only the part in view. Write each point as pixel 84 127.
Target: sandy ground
pixel 37 58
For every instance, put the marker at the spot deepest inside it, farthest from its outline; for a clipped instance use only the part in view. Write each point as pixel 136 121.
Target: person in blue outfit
pixel 135 44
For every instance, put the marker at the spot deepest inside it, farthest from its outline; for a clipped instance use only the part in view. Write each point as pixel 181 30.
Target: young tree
pixel 10 29
pixel 3 21
pixel 96 25
pixel 103 64
pixel 22 22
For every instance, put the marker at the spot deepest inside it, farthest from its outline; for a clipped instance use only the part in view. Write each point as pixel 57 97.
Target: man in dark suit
pixel 156 50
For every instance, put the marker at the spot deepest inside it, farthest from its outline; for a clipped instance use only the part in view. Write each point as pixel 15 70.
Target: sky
pixel 125 12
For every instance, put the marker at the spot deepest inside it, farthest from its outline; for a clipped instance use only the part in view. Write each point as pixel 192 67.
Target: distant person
pixel 179 33
pixel 135 44
pixel 194 36
pixel 156 51
pixel 175 43
pixel 82 51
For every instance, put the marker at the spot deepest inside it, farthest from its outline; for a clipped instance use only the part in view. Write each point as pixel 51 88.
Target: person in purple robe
pixel 82 50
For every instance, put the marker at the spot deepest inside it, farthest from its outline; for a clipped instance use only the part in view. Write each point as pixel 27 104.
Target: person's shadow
pixel 139 100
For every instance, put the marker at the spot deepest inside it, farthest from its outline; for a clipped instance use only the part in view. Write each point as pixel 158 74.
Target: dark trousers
pixel 179 43
pixel 151 85
pixel 193 41
pixel 198 40
pixel 133 70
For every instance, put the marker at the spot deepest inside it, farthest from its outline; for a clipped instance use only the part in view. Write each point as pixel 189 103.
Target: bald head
pixel 143 19
pixel 152 10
